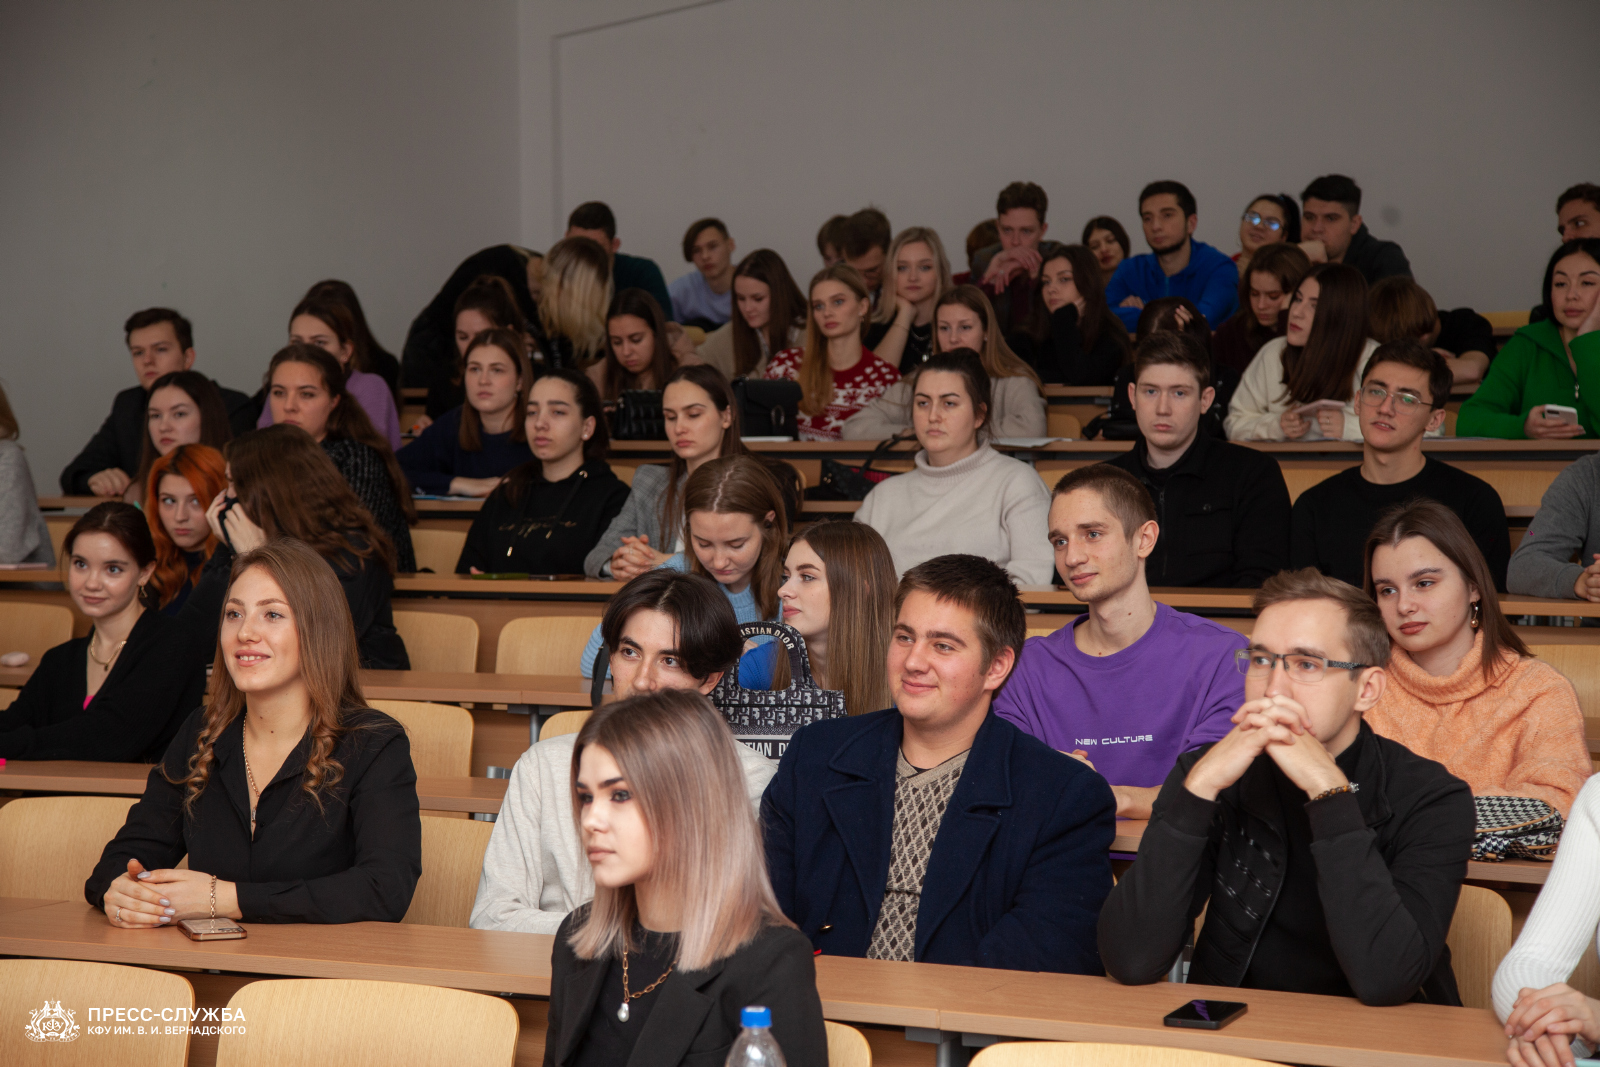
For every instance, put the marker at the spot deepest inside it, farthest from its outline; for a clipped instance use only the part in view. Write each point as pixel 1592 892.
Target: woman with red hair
pixel 181 486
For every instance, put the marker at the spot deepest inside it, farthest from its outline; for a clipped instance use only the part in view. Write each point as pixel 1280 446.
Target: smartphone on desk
pixel 211 929
pixel 1206 1014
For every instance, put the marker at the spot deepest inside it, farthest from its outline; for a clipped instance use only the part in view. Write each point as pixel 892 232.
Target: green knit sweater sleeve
pixel 1586 354
pixel 1498 407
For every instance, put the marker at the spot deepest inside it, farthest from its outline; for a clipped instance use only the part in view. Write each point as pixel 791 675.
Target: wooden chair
pixel 544 644
pixel 438 550
pixel 1509 321
pixel 1090 1054
pixel 49 845
pixel 440 734
pixel 1060 424
pixel 562 723
pixel 59 526
pixel 1579 663
pixel 33 628
pixel 847 1046
pixel 77 986
pixel 1299 479
pixel 625 471
pixel 311 1022
pixel 1519 484
pixel 7 696
pixel 1044 631
pixel 1480 937
pixel 452 858
pixel 439 642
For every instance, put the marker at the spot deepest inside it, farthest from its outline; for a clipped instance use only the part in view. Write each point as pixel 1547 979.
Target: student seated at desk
pixel 548 513
pixel 901 329
pixel 181 486
pixel 769 315
pixel 1314 885
pixel 1463 688
pixel 683 931
pixel 185 407
pixel 470 449
pixel 663 630
pixel 1069 335
pixel 293 800
pixel 1559 556
pixel 638 355
pixel 120 693
pixel 1265 289
pixel 934 831
pixel 1131 684
pixel 330 327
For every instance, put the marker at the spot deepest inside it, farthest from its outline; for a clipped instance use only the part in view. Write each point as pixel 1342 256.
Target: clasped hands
pixel 1278 726
pixel 142 900
pixel 1543 1022
pixel 1007 264
pixel 635 557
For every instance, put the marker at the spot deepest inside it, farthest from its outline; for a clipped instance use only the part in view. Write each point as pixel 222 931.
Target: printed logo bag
pixel 764 719
pixel 1516 828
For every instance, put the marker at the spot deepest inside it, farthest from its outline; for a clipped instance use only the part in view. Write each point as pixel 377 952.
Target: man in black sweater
pixel 1223 508
pixel 1403 393
pixel 160 341
pixel 1331 857
pixel 1331 214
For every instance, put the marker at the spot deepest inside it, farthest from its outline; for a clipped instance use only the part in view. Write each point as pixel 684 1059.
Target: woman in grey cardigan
pixel 24 538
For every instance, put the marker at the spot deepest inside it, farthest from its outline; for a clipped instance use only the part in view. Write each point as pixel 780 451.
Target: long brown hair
pixel 290 488
pixel 215 430
pixel 816 377
pixel 470 434
pixel 120 520
pixel 861 584
pixel 8 419
pixel 1444 530
pixel 598 446
pixel 204 469
pixel 1285 262
pixel 334 291
pixel 785 301
pixel 679 760
pixel 336 317
pixel 1325 367
pixel 887 309
pixel 1096 319
pixel 741 485
pixel 710 379
pixel 329 663
pixel 640 305
pixel 996 356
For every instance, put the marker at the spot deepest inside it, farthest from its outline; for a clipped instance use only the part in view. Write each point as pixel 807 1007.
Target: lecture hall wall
pixel 220 158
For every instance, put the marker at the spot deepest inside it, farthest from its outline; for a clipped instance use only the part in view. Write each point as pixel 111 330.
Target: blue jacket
pixel 1019 868
pixel 1210 280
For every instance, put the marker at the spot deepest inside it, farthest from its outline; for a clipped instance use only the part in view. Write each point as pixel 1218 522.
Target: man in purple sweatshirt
pixel 1132 684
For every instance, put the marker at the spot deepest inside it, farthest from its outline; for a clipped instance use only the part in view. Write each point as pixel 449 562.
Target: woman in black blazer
pixel 683 931
pixel 120 693
pixel 293 800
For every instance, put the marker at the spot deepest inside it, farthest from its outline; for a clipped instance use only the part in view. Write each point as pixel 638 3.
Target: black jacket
pixel 1224 515
pixel 1061 359
pixel 551 526
pixel 157 679
pixel 695 1018
pixel 356 860
pixel 1390 858
pixel 430 354
pixel 1375 259
pixel 120 440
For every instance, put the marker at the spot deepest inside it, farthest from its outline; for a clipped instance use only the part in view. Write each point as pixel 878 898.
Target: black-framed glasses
pixel 1376 394
pixel 1255 218
pixel 1253 662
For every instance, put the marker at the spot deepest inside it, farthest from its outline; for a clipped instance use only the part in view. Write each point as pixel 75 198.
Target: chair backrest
pixel 544 644
pixel 59 527
pixel 1090 1054
pixel 311 1022
pixel 452 858
pixel 563 722
pixel 49 845
pixel 76 986
pixel 7 696
pixel 1042 631
pixel 625 471
pixel 440 735
pixel 438 550
pixel 847 1046
pixel 1299 479
pixel 33 628
pixel 1519 485
pixel 1060 424
pixel 1582 668
pixel 439 642
pixel 1480 937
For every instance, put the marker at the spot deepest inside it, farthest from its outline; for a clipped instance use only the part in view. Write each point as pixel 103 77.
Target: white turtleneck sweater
pixel 986 504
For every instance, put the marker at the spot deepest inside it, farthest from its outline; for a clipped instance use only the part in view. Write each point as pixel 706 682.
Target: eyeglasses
pixel 1376 395
pixel 1309 669
pixel 1254 218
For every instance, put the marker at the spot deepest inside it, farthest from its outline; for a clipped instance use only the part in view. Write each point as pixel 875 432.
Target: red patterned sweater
pixel 853 390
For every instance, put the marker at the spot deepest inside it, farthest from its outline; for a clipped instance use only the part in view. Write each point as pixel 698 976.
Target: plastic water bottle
pixel 755 1047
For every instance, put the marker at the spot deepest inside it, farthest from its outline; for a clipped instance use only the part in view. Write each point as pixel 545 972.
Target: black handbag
pixel 767 408
pixel 638 416
pixel 765 719
pixel 841 481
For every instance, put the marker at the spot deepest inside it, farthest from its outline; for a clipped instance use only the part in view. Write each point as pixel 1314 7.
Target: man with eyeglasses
pixel 1330 857
pixel 1403 392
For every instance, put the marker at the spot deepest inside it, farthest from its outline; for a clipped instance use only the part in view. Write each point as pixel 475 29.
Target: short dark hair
pixel 1185 198
pixel 1172 348
pixel 594 215
pixel 1161 315
pixel 1364 629
pixel 708 633
pixel 981 236
pixel 1124 494
pixel 1582 191
pixel 692 234
pixel 979 585
pixel 154 316
pixel 831 235
pixel 969 365
pixel 862 232
pixel 1410 352
pixel 1111 226
pixel 1589 246
pixel 1337 189
pixel 1022 194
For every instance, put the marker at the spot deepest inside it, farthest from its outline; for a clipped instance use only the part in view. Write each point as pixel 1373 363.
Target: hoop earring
pixel 1477 614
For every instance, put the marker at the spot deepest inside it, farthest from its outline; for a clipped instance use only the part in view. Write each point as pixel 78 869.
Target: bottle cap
pixel 755 1015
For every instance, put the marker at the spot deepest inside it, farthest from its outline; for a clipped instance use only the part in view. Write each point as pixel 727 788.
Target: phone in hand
pixel 1562 412
pixel 1206 1014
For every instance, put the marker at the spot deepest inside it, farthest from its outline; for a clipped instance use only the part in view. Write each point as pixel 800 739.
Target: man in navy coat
pixel 935 831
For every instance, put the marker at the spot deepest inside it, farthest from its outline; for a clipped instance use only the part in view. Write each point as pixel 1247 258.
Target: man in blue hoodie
pixel 1177 265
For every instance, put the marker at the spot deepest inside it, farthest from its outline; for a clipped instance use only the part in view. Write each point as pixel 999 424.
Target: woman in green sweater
pixel 1556 361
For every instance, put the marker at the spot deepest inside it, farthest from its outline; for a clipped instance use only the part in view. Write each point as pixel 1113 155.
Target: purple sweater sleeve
pixel 1224 693
pixel 373 393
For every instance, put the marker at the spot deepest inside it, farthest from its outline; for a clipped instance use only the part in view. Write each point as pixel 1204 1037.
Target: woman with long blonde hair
pixel 682 904
pixel 573 302
pixel 180 487
pixel 293 800
pixel 901 333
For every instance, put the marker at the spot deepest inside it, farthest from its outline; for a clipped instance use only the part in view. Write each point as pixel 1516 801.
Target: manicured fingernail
pixel 166 919
pixel 165 902
pixel 169 910
pixel 142 875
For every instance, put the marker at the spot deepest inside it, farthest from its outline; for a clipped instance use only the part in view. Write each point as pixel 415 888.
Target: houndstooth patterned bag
pixel 764 719
pixel 1516 828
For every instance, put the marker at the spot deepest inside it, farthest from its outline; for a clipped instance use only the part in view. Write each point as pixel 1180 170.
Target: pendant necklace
pixel 622 1010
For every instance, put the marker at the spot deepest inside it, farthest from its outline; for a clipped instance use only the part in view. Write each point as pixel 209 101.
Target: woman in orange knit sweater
pixel 1462 687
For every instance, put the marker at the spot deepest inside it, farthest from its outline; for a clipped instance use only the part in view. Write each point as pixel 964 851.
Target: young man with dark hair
pixel 1403 392
pixel 865 240
pixel 1331 214
pixel 595 221
pixel 663 630
pixel 830 239
pixel 935 831
pixel 1578 212
pixel 1223 509
pixel 704 296
pixel 1009 269
pixel 1331 857
pixel 1130 684
pixel 160 341
pixel 1176 265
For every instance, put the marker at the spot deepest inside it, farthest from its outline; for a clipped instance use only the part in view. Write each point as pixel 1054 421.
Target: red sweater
pixel 853 389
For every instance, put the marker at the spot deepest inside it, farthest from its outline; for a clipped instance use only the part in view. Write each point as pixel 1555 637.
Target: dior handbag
pixel 1516 828
pixel 638 416
pixel 764 719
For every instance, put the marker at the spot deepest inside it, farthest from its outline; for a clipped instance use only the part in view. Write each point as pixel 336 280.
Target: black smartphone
pixel 1206 1014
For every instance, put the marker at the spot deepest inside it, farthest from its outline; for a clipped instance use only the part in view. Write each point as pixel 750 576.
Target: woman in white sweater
pixel 963 496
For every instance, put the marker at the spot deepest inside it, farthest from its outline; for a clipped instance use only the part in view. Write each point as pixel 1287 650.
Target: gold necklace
pixel 255 794
pixel 105 664
pixel 622 1011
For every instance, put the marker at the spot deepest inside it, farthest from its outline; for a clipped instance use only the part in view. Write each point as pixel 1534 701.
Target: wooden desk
pixel 526 690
